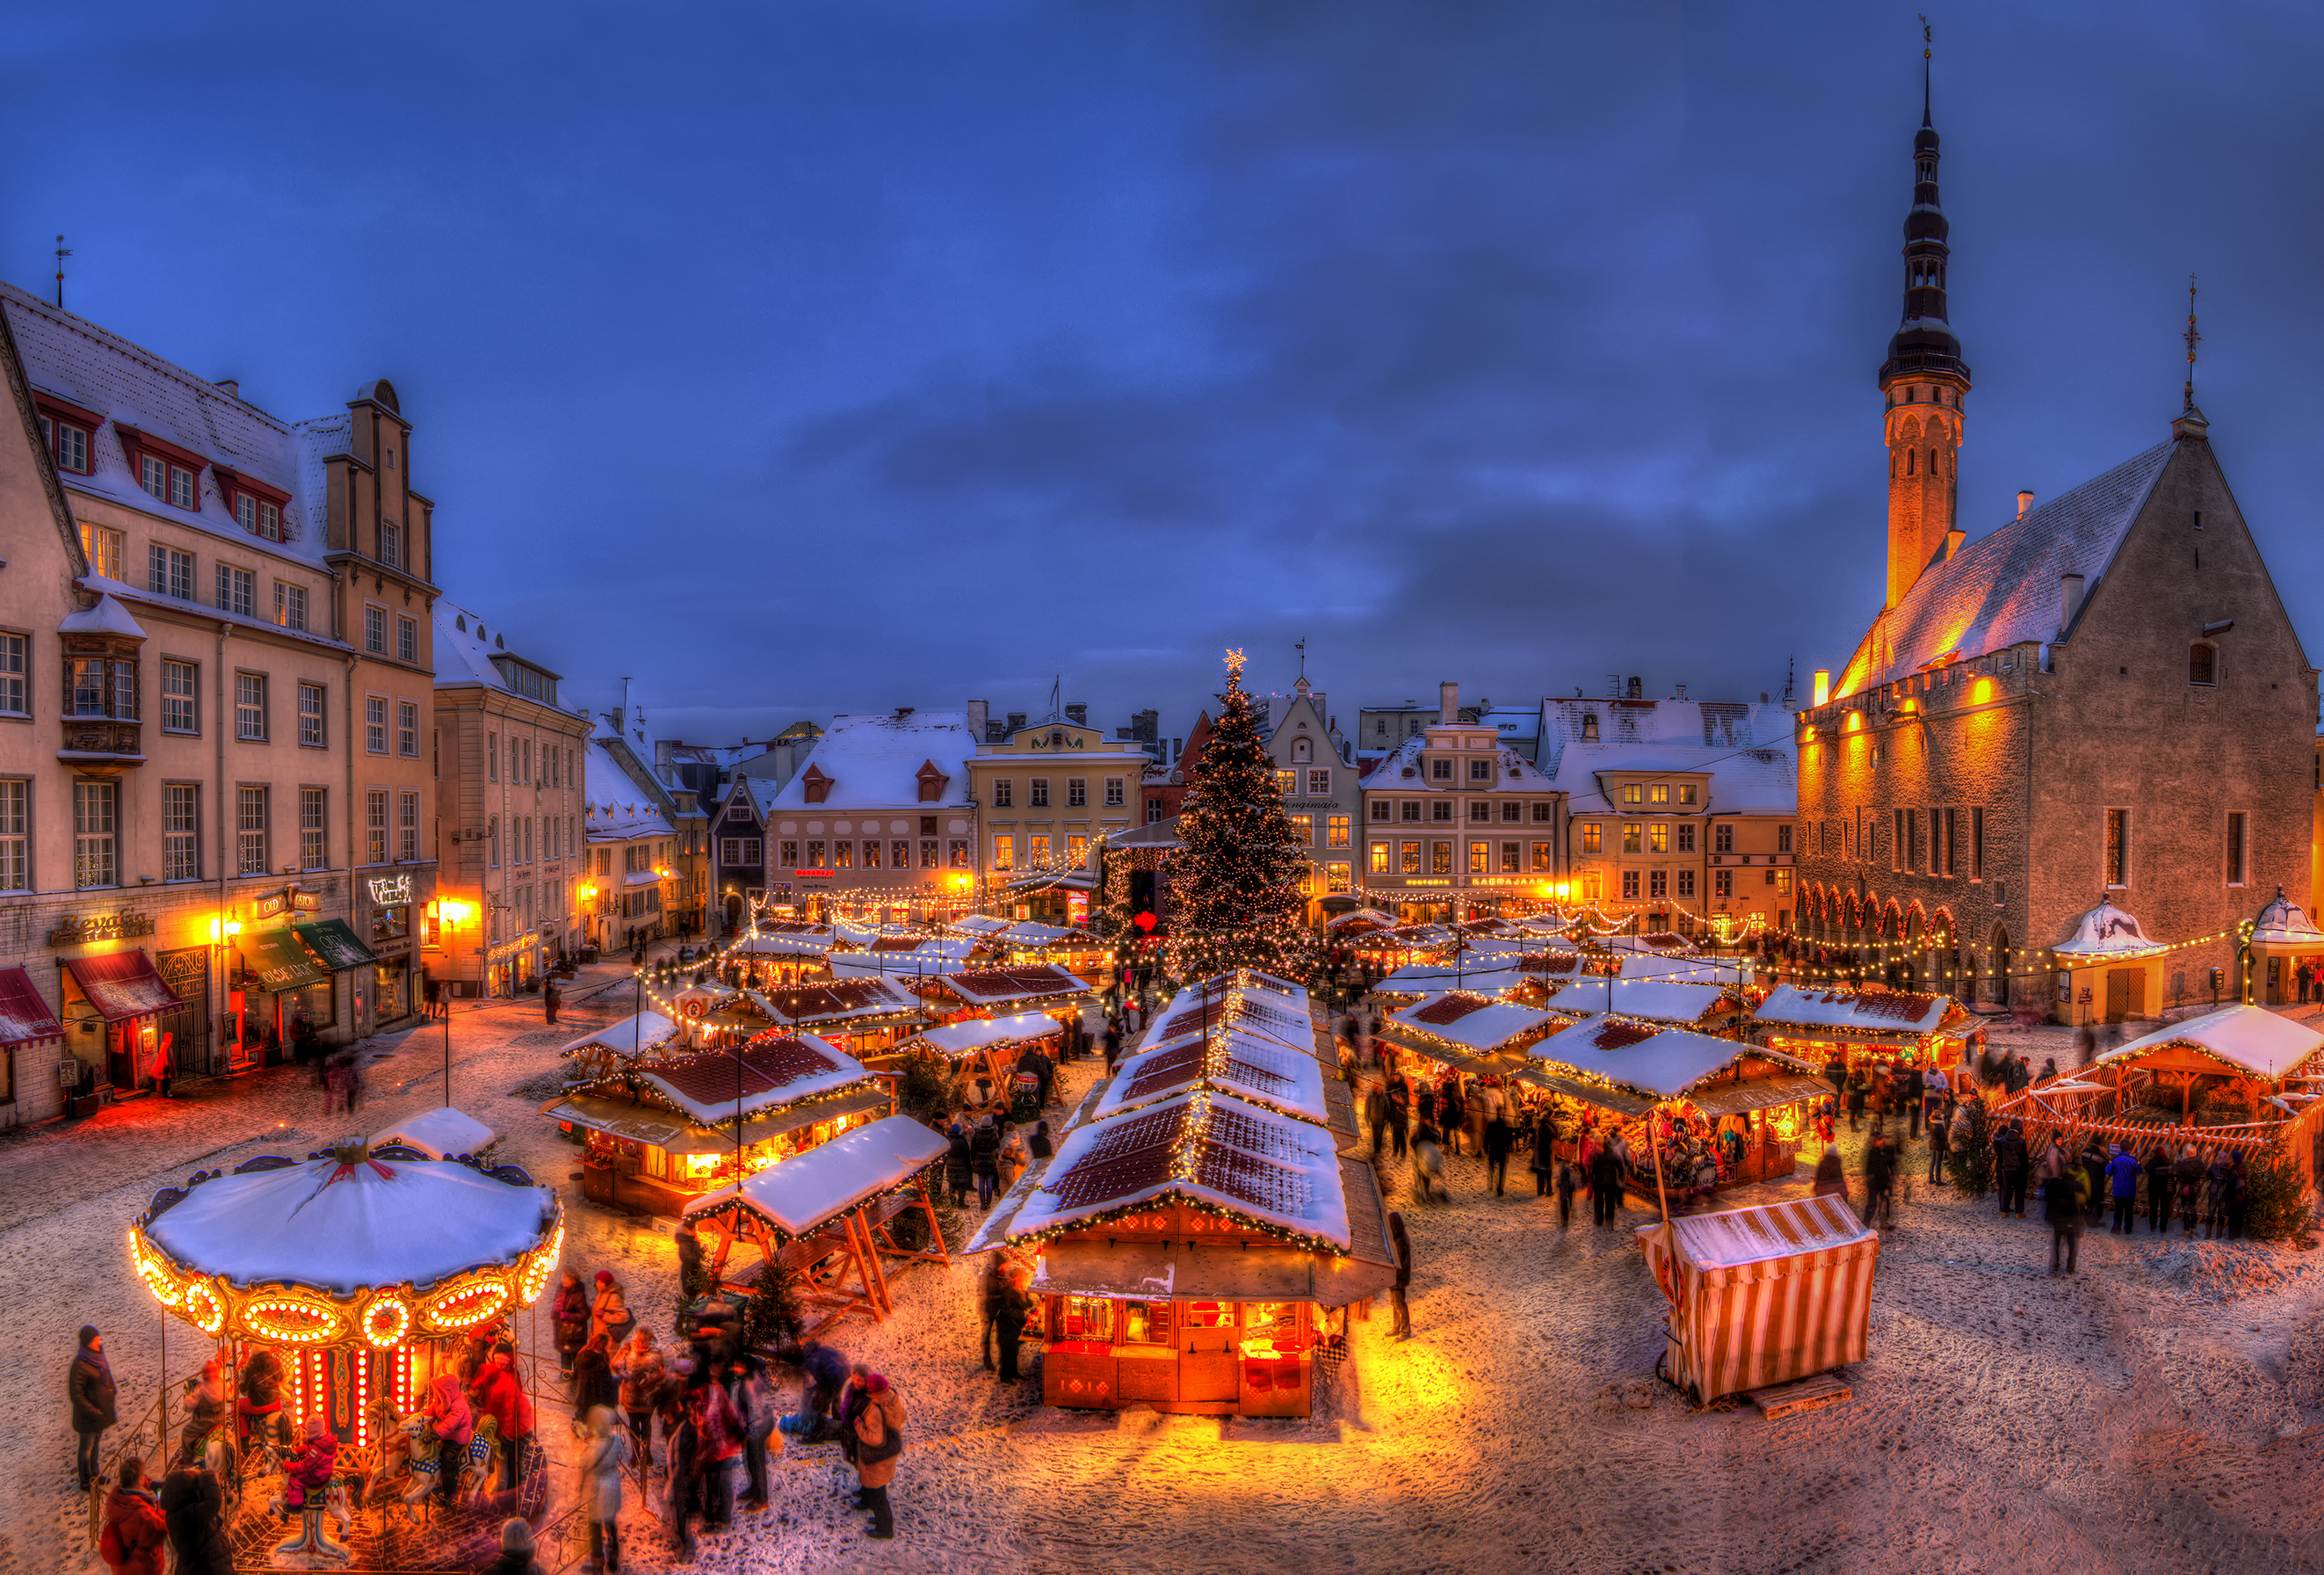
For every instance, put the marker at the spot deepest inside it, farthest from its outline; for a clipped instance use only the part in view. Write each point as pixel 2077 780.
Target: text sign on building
pixel 75 929
pixel 290 900
pixel 387 891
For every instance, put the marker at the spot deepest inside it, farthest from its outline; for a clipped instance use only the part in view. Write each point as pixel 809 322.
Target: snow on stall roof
pixel 442 1133
pixel 628 1036
pixel 1256 1069
pixel 955 1039
pixel 874 762
pixel 422 1222
pixel 1875 1010
pixel 1659 1000
pixel 1663 1062
pixel 2003 588
pixel 1478 1025
pixel 767 1073
pixel 920 962
pixel 1242 1158
pixel 2251 1037
pixel 803 1191
pixel 1495 975
pixel 1733 1237
pixel 2106 931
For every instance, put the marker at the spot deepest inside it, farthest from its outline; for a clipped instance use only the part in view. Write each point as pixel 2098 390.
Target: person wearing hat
pixel 879 1443
pixel 516 1550
pixel 89 1386
pixel 609 1310
pixel 2121 1173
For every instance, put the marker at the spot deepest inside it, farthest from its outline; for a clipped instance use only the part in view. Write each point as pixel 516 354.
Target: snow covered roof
pixel 920 962
pixel 965 1038
pixel 466 652
pixel 2004 589
pixel 1245 1065
pixel 628 1036
pixel 990 987
pixel 1472 1022
pixel 1768 1233
pixel 2106 931
pixel 86 366
pixel 1399 769
pixel 1654 999
pixel 1726 738
pixel 797 1194
pixel 2284 923
pixel 341 1227
pixel 442 1133
pixel 768 1073
pixel 108 617
pixel 1665 1063
pixel 2251 1037
pixel 876 762
pixel 1481 976
pixel 836 1000
pixel 618 809
pixel 1869 1012
pixel 1216 1150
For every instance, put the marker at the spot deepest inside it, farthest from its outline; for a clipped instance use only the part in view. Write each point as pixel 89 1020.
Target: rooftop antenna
pixel 1301 649
pixel 1928 52
pixel 1056 684
pixel 2193 337
pixel 63 251
pixel 1790 677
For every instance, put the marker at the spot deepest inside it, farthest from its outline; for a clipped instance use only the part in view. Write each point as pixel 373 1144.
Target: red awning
pixel 23 1016
pixel 122 985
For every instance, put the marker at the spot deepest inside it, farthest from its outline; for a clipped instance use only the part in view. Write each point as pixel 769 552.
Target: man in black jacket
pixel 1605 1186
pixel 194 1507
pixel 88 1386
pixel 1912 1086
pixel 2009 1160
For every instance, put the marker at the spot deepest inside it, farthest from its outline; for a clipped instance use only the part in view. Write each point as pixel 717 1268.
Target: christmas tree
pixel 1235 883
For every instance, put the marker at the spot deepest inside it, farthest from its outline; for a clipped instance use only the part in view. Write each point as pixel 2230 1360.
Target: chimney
pixel 1953 540
pixel 1682 691
pixel 2069 602
pixel 977 712
pixel 1638 690
pixel 1015 721
pixel 2024 502
pixel 1078 714
pixel 1177 747
pixel 233 388
pixel 1448 704
pixel 1823 686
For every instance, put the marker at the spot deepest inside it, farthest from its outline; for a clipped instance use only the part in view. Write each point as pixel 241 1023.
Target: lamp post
pixel 449 914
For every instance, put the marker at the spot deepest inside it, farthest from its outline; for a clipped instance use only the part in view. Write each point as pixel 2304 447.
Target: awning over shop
pixel 1756 1094
pixel 337 945
pixel 1619 1101
pixel 122 985
pixel 278 961
pixel 23 1016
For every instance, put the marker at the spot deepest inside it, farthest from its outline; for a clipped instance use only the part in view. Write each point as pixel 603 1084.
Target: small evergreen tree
pixel 1971 1167
pixel 2277 1204
pixel 925 1087
pixel 1234 884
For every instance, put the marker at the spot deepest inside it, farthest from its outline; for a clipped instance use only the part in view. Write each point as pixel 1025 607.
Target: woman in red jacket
pixel 499 1395
pixel 135 1530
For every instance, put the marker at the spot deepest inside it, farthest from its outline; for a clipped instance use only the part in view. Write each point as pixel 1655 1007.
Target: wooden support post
pixel 867 1253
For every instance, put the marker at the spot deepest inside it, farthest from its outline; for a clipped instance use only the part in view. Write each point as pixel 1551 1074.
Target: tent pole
pixel 1662 1194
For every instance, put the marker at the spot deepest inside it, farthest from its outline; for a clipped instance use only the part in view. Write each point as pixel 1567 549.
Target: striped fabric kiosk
pixel 1763 1295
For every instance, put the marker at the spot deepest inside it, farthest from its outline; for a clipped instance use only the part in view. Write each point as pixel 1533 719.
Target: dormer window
pixel 258 516
pixel 1660 793
pixel 67 444
pixel 1440 770
pixel 172 484
pixel 1590 727
pixel 166 471
pixel 817 785
pixel 1631 792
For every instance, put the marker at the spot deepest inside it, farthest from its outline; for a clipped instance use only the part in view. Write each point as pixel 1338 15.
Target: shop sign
pixel 820 875
pixel 292 900
pixel 75 929
pixel 508 948
pixel 386 891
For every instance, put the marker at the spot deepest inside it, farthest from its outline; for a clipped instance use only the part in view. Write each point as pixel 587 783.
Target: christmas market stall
pixel 1034 988
pixel 658 1135
pixel 2290 951
pixel 1761 1296
pixel 832 1220
pixel 867 1015
pixel 2235 1080
pixel 779 951
pixel 1497 974
pixel 1706 1008
pixel 1725 1114
pixel 1071 948
pixel 1475 1034
pixel 607 1051
pixel 1191 1251
pixel 1861 1026
pixel 2107 970
pixel 337 1293
pixel 1247 1033
pixel 988 1049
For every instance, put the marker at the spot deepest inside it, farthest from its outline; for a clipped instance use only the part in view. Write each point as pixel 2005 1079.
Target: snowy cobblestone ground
pixel 2119 1420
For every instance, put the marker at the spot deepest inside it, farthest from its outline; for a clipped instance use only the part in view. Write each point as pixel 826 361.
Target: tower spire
pixel 1924 379
pixel 2192 338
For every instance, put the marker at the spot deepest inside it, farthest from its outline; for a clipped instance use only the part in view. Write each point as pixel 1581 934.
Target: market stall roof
pixel 1656 1000
pixel 1691 971
pixel 1758 1094
pixel 1473 1023
pixel 992 986
pixel 673 1134
pixel 2106 931
pixel 1484 976
pixel 1371 917
pixel 1893 1012
pixel 1663 1062
pixel 981 924
pixel 920 964
pixel 23 1016
pixel 2250 1038
pixel 337 1228
pixel 1408 938
pixel 442 1133
pixel 1215 1149
pixel 966 1038
pixel 334 945
pixel 797 1194
pixel 630 1036
pixel 2284 923
pixel 122 985
pixel 806 940
pixel 1259 1013
pixel 1228 1061
pixel 1733 1239
pixel 711 1085
pixel 278 960
pixel 836 1001
pixel 1621 1101
pixel 1031 936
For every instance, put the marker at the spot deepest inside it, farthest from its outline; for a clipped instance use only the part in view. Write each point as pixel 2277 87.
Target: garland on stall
pixel 928 1174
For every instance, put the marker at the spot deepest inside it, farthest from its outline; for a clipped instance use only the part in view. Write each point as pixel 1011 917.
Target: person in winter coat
pixel 1399 1117
pixel 1910 1087
pixel 984 1159
pixel 638 1367
pixel 2094 1171
pixel 88 1389
pixel 2122 1173
pixel 452 1423
pixel 604 1451
pixel 1400 1309
pixel 879 1445
pixel 1450 1116
pixel 594 1384
pixel 1040 1144
pixel 2062 1200
pixel 2009 1162
pixel 1009 1307
pixel 1830 1179
pixel 960 1166
pixel 1375 1118
pixel 826 1376
pixel 1880 1179
pixel 515 1557
pixel 2158 1188
pixel 1606 1186
pixel 193 1508
pixel 2219 1195
pixel 1544 1158
pixel 718 1439
pixel 2187 1183
pixel 1498 1141
pixel 135 1530
pixel 1012 1159
pixel 609 1310
pixel 571 1316
pixel 1568 1182
pixel 1940 1143
pixel 1860 1088
pixel 500 1394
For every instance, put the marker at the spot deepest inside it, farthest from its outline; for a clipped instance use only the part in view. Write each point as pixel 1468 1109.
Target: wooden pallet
pixel 1813 1394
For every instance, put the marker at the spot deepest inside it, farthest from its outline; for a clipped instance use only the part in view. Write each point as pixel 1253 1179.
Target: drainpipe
pixel 222 793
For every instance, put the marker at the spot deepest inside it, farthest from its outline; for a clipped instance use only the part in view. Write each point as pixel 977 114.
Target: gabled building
pixel 1045 794
pixel 633 884
pixel 1315 768
pixel 2102 698
pixel 1453 819
pixel 687 896
pixel 879 823
pixel 739 854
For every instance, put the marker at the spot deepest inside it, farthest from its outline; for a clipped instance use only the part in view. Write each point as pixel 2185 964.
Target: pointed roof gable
pixel 2003 589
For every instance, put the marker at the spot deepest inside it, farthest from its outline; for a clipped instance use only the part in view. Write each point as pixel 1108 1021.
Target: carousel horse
pixel 484 1448
pixel 392 1474
pixel 423 1469
pixel 307 1477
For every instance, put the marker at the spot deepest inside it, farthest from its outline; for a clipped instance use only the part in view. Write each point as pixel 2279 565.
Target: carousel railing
pixel 132 1442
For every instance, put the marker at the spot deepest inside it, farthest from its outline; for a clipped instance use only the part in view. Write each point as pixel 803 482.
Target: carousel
pixel 351 1303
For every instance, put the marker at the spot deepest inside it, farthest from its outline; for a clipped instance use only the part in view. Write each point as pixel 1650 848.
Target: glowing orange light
pixel 1981 690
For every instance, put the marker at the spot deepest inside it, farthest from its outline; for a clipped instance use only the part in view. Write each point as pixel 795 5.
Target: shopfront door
pixel 1206 1355
pixel 2125 993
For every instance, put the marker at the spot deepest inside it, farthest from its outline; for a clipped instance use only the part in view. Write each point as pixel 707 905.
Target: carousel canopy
pixel 442 1133
pixel 803 1191
pixel 630 1036
pixel 2106 931
pixel 2284 923
pixel 710 1085
pixel 2251 1038
pixel 1470 1022
pixel 1658 1000
pixel 1869 1012
pixel 958 1039
pixel 338 1227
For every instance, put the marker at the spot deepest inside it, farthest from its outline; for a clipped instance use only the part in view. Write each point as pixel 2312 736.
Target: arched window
pixel 1590 727
pixel 2202 662
pixel 1909 455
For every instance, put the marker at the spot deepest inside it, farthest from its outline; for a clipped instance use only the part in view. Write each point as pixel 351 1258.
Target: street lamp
pixel 449 915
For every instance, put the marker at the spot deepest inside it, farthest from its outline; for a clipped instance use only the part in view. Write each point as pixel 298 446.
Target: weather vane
pixel 2193 338
pixel 1234 664
pixel 1928 38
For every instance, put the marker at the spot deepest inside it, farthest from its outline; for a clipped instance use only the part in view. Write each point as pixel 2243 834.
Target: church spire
pixel 1924 378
